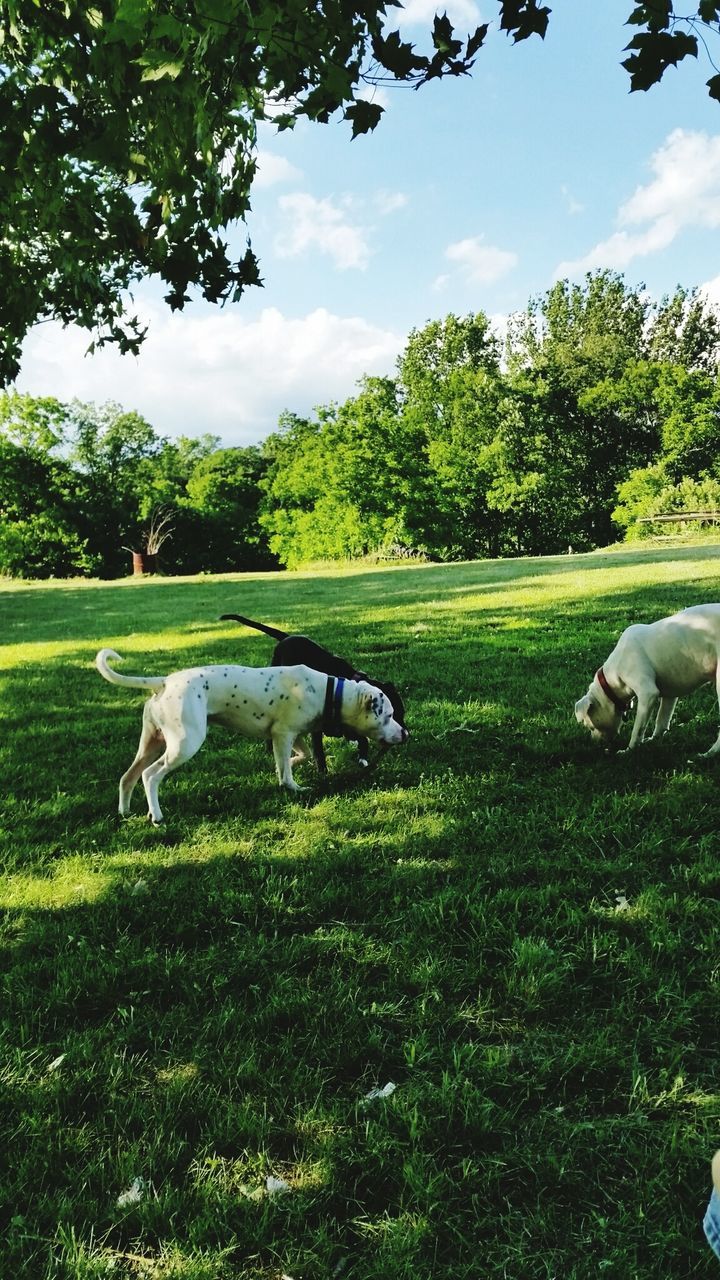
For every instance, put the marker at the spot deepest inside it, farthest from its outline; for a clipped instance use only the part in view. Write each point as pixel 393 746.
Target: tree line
pixel 599 411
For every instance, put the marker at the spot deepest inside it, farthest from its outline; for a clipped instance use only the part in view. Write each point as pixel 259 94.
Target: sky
pixel 473 194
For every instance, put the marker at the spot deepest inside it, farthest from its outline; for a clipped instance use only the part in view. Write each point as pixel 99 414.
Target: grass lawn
pixel 516 930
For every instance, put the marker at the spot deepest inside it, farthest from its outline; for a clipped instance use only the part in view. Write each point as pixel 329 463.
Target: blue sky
pixel 471 195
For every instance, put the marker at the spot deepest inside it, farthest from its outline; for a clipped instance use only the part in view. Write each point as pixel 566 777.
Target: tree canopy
pixel 129 132
pixel 604 414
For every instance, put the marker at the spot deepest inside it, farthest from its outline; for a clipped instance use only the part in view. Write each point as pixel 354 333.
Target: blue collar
pixel 332 711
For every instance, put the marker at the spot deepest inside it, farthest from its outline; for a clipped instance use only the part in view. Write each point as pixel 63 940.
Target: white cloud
pixel 272 169
pixel 479 263
pixel 463 14
pixel 214 371
pixel 573 206
pixel 323 226
pixel 711 292
pixel 389 201
pixel 684 193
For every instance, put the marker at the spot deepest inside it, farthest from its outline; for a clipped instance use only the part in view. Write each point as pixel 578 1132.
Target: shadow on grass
pixel 224 1021
pixel 208 1006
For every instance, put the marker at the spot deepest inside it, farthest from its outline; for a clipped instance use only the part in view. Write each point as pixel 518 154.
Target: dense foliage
pixel 602 412
pixel 80 486
pixel 128 145
pixel 464 455
pixel 129 138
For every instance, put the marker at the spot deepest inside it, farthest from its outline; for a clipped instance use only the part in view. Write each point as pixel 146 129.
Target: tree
pixel 340 486
pixel 129 132
pixel 665 38
pixel 685 330
pixel 32 423
pixel 581 333
pixel 224 489
pixel 40 533
pixel 129 136
pixel 113 452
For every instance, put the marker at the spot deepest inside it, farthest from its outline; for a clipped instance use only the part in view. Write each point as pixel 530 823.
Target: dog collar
pixel 620 703
pixel 332 717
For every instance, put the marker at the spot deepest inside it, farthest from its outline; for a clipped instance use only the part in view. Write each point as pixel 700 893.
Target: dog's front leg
pixel 646 707
pixel 282 743
pixel 664 716
pixel 714 750
pixel 319 752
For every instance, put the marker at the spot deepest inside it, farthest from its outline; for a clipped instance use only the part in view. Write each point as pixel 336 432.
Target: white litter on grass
pixel 134 1194
pixel 621 902
pixel 56 1062
pixel 276 1186
pixel 385 1092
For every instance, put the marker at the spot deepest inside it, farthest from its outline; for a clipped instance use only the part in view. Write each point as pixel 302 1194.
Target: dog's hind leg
pixel 299 752
pixel 151 746
pixel 177 751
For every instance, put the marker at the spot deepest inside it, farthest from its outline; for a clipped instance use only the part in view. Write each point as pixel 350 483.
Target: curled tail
pixel 135 682
pixel 257 626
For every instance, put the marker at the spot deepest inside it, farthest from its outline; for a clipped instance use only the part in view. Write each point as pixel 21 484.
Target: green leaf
pixel 171 70
pixel 476 41
pixel 364 116
pixel 656 51
pixel 443 36
pixel 523 18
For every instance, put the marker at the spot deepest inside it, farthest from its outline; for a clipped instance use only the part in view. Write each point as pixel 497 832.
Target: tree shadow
pixel 223 995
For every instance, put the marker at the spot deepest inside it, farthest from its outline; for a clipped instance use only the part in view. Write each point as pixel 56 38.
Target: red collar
pixel 620 703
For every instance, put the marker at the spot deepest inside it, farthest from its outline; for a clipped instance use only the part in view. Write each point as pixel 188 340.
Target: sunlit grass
pixel 519 933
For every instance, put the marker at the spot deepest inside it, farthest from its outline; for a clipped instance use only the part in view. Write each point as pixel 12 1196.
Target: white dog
pixel 654 663
pixel 279 703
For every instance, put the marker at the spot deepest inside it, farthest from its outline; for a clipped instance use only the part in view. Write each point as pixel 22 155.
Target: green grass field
pixel 515 929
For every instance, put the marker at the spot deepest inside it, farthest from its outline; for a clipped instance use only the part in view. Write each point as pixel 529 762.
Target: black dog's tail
pixel 257 626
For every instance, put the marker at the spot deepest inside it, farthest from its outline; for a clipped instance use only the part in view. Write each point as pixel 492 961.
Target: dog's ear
pixel 583 708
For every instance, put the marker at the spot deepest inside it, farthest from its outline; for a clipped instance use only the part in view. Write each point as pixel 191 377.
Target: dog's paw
pixel 364 764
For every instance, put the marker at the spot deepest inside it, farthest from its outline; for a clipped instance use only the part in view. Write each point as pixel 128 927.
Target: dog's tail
pixel 135 682
pixel 257 626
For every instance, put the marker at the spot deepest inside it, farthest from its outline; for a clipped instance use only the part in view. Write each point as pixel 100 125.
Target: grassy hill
pixel 516 930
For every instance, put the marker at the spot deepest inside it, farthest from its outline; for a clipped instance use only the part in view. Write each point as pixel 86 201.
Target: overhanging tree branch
pixel 129 133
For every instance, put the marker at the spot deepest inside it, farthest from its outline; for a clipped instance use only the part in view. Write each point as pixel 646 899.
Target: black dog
pixel 292 649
